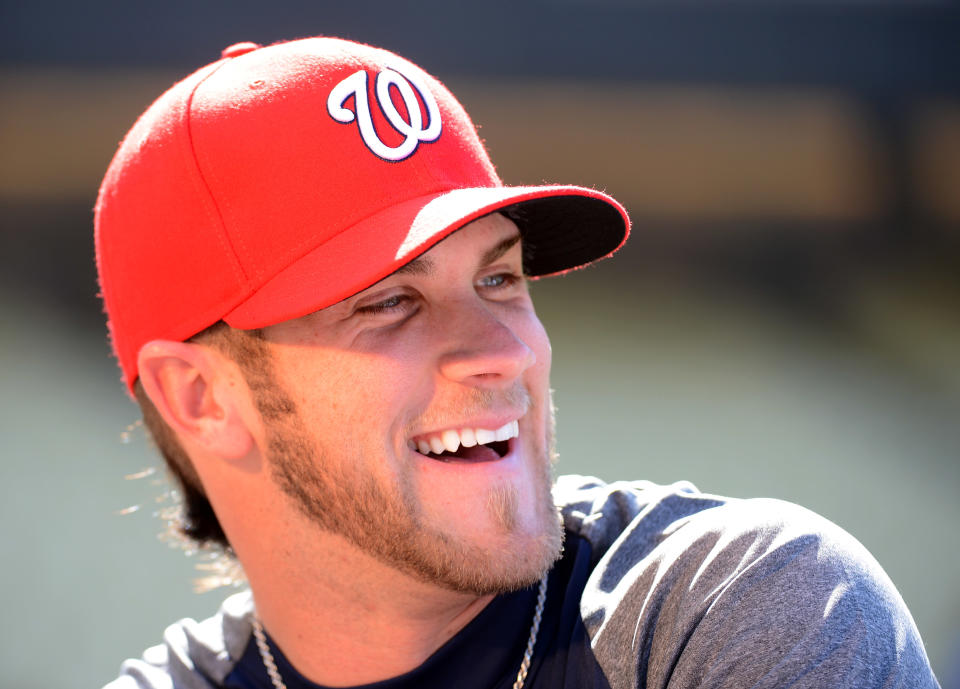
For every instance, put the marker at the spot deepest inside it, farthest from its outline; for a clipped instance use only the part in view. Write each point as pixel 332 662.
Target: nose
pixel 484 351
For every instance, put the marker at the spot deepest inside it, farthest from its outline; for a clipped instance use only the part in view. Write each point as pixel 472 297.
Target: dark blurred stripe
pixel 877 47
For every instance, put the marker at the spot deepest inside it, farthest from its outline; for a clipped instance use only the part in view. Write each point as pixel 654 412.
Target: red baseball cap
pixel 280 180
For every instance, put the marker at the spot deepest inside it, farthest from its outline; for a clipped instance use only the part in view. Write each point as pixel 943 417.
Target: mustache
pixel 473 402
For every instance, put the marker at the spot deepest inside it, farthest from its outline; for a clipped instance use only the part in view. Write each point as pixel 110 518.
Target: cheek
pixel 347 394
pixel 535 337
pixel 323 383
pixel 536 379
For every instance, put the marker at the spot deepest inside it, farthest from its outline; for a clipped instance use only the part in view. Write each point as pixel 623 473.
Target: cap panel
pixel 158 234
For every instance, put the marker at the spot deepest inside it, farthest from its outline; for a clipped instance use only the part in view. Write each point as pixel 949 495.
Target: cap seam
pixel 218 218
pixel 260 277
pixel 115 304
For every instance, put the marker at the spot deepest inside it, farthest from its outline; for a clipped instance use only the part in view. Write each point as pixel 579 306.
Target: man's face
pixel 445 352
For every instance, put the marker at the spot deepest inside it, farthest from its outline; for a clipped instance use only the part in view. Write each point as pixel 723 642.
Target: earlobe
pixel 184 381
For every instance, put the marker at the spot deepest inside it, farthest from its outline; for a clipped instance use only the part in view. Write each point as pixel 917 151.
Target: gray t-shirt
pixel 660 587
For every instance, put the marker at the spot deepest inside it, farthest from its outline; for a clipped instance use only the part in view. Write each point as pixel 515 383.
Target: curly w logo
pixel 413 131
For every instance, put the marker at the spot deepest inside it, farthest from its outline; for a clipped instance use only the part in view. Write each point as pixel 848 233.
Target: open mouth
pixel 467 444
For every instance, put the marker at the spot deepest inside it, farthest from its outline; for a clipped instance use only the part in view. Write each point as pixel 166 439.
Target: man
pixel 315 283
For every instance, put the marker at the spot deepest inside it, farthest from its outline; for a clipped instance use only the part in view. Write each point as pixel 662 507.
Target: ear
pixel 189 385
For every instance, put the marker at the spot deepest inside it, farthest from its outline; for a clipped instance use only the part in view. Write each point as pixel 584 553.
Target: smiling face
pixel 414 418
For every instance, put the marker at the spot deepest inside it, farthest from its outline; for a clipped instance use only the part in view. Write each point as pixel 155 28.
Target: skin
pixel 331 512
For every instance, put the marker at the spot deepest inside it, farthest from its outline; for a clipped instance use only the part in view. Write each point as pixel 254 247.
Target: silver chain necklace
pixel 271 665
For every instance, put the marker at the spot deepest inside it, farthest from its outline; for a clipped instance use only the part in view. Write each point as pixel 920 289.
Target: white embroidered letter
pixel 413 131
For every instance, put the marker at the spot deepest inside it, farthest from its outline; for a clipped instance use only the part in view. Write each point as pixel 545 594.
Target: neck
pixel 354 607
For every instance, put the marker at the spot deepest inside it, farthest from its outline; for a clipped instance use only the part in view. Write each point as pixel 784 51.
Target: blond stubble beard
pixel 388 525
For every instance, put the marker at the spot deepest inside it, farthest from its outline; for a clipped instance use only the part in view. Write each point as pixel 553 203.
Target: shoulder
pixel 193 655
pixel 697 590
pixel 600 512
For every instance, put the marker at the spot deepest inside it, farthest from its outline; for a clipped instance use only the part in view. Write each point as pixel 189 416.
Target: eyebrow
pixel 499 250
pixel 424 265
pixel 418 266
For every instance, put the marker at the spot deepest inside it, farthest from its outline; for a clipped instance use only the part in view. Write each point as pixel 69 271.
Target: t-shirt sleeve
pixel 193 655
pixel 748 594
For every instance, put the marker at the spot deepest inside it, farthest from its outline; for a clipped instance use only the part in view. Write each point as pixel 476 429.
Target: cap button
pixel 238 49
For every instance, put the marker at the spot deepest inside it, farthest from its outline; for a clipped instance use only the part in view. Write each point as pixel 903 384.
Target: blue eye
pixel 393 303
pixel 498 280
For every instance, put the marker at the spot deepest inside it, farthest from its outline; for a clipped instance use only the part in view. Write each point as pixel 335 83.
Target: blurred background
pixel 784 322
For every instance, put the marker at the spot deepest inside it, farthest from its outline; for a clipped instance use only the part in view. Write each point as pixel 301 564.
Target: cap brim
pixel 563 227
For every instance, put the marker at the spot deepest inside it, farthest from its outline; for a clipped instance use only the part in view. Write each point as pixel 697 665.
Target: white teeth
pixel 484 436
pixel 451 439
pixel 507 431
pixel 468 438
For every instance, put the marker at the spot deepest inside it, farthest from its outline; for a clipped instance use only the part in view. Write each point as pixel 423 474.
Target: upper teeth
pixel 451 439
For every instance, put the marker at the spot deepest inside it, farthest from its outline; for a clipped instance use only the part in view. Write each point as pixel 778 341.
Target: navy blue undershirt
pixel 485 654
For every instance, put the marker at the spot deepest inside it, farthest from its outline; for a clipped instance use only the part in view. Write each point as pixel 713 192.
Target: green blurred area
pixel 653 379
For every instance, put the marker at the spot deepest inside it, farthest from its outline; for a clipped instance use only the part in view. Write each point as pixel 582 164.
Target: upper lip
pixel 471 433
pixel 490 423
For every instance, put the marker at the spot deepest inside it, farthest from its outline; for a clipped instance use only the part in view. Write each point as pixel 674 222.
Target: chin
pixel 512 550
pixel 505 563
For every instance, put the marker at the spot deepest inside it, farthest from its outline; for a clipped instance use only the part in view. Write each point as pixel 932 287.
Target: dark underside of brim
pixel 564 232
